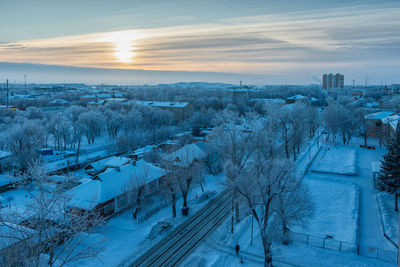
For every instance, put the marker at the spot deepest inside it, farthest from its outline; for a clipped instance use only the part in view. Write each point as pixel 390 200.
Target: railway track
pixel 172 249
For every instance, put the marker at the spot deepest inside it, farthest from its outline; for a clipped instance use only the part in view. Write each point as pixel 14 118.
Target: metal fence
pixel 332 244
pixel 382 254
pixel 325 243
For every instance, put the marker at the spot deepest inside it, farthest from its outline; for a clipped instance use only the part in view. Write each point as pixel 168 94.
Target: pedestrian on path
pixel 237 248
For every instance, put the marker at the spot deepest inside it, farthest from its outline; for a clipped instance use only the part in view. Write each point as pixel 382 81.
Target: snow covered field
pixel 336 210
pixel 336 160
pixel 390 218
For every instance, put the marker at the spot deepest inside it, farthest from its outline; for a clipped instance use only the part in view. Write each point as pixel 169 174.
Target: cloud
pixel 340 38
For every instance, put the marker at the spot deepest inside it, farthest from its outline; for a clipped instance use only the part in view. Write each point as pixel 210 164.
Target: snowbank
pixel 336 160
pixel 389 218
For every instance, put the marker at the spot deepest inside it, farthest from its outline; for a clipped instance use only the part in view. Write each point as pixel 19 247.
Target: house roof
pixel 116 162
pixel 59 101
pixel 186 155
pixel 162 104
pixel 295 97
pixel 116 99
pixel 5 179
pixel 392 120
pixel 379 115
pixel 268 100
pixel 4 154
pixel 112 183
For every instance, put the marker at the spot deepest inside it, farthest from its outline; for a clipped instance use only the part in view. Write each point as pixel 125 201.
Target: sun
pixel 124 51
pixel 123 45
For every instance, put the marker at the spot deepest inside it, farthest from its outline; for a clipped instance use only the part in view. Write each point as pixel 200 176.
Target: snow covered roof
pixel 268 100
pixel 59 101
pixel 96 96
pixel 162 104
pixel 5 179
pixel 98 102
pixel 112 183
pixel 392 121
pixel 111 162
pixel 142 150
pixel 4 154
pixel 295 97
pixel 116 162
pixel 379 115
pixel 186 155
pixel 116 99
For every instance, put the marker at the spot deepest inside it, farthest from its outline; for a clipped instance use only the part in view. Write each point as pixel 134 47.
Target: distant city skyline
pixel 286 42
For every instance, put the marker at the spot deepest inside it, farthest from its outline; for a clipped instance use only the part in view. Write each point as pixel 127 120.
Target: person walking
pixel 237 248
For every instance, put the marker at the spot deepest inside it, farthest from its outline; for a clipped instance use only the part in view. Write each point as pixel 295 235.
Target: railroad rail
pixel 172 249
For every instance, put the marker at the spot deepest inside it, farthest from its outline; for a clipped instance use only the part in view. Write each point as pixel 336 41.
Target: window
pixel 378 124
pixel 108 209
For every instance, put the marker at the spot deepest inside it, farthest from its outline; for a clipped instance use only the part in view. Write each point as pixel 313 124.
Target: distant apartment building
pixel 330 81
pixel 180 110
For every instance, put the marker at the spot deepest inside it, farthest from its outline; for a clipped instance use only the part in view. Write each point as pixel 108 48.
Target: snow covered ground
pixel 336 160
pixel 336 210
pixel 218 250
pixel 390 218
pixel 124 238
pixel 336 215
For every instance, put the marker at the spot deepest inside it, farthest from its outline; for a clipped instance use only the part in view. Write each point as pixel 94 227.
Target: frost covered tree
pixel 155 118
pixel 60 128
pixel 341 120
pixel 389 180
pixel 73 112
pixel 114 121
pixel 236 143
pixel 23 140
pixel 92 123
pixel 169 185
pixel 362 125
pixel 136 187
pixel 297 120
pixel 283 117
pixel 272 195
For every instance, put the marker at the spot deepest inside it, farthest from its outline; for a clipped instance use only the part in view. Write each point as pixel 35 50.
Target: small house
pixel 111 191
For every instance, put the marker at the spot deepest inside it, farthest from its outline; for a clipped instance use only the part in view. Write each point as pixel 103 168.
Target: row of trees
pixel 24 133
pixel 261 178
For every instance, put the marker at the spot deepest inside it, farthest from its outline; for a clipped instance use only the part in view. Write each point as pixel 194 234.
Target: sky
pixel 275 42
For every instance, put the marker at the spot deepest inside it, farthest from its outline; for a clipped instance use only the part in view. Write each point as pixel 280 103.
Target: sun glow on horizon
pixel 123 42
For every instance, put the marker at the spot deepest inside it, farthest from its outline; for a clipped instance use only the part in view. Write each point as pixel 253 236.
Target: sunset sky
pixel 296 41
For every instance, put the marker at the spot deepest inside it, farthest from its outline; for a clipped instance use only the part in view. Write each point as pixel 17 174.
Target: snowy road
pixel 371 234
